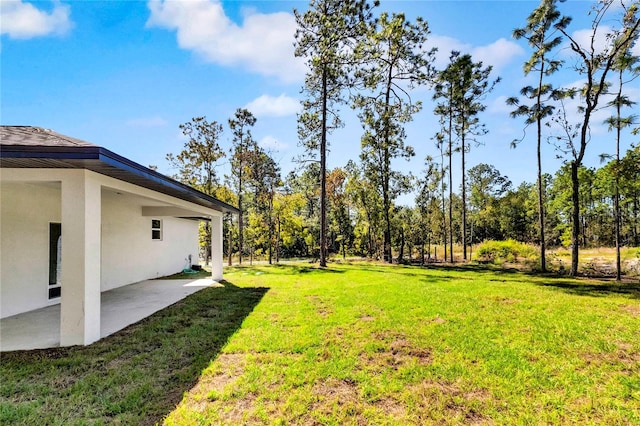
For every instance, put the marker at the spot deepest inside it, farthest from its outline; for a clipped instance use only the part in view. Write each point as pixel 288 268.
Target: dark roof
pixel 35 147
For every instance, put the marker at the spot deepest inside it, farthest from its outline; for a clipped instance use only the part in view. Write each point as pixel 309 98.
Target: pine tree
pixel 326 34
pixel 542 36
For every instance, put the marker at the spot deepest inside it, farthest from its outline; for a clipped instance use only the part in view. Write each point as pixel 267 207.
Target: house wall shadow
pixel 137 375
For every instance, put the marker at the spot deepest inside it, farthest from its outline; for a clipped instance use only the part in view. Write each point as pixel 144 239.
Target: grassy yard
pixel 353 344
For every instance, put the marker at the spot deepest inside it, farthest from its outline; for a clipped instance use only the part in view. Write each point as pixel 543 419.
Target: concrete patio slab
pixel 120 307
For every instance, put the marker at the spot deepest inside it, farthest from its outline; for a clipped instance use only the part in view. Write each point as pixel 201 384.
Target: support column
pixel 216 248
pixel 81 244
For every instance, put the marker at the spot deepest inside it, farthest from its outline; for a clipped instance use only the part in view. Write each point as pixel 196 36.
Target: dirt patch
pixel 322 308
pixel 438 320
pixel 625 355
pixel 391 407
pixel 224 371
pixel 394 352
pixel 333 396
pixel 340 391
pixel 463 405
pixel 506 300
pixel 367 318
pixel 633 310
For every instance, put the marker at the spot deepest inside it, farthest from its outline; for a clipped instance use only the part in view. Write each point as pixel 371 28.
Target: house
pixel 77 219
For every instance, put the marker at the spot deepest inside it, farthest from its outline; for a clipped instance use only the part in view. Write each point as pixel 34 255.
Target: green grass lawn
pixel 353 344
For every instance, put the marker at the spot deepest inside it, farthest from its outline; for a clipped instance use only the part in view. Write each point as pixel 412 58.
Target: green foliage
pixel 244 158
pixel 391 57
pixel 594 65
pixel 462 87
pixel 326 36
pixel 196 163
pixel 510 251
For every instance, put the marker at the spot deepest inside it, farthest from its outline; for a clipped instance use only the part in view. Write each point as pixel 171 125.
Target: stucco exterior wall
pixel 26 209
pixel 128 253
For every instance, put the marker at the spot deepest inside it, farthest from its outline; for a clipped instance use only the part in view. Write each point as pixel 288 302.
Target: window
pixel 156 229
pixel 55 260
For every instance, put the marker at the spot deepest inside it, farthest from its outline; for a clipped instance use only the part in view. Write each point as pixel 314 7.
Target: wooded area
pixel 371 62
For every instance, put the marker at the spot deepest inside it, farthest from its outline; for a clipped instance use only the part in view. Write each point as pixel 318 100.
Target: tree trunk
pixel 240 216
pixel 636 234
pixel 386 202
pixel 616 197
pixel 444 226
pixel 541 215
pixel 450 186
pixel 464 202
pixel 401 254
pixel 278 241
pixel 575 218
pixel 230 240
pixel 270 246
pixel 323 173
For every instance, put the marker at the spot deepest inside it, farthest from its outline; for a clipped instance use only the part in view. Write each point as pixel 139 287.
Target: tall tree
pixel 264 178
pixel 625 63
pixel 467 85
pixel 242 151
pixel 393 61
pixel 594 64
pixel 326 35
pixel 542 34
pixel 445 82
pixel 197 162
pixel 443 187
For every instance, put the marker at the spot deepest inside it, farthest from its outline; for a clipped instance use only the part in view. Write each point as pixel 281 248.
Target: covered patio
pixel 78 221
pixel 119 308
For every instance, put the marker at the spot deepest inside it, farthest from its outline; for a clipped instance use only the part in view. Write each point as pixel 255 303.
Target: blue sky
pixel 125 74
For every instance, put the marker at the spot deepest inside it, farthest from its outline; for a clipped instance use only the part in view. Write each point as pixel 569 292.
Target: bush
pixel 505 251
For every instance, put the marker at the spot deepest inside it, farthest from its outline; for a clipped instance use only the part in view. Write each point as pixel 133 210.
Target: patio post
pixel 216 247
pixel 81 243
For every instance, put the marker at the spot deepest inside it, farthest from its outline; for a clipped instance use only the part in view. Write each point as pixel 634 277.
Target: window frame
pixel 156 231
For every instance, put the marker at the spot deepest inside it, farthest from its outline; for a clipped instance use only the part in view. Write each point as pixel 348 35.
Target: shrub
pixel 505 251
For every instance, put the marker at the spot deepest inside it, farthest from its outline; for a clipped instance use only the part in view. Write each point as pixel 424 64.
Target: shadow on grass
pixel 631 290
pixel 136 376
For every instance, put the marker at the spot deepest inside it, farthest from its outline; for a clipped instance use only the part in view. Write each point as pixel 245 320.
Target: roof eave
pixel 146 177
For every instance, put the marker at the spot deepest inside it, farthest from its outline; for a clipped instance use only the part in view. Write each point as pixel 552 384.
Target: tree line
pixel 372 62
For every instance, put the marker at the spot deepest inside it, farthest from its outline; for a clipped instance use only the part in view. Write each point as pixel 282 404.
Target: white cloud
pixel 499 107
pixel 23 20
pixel 601 42
pixel 272 144
pixel 270 106
pixel 497 54
pixel 147 122
pixel 445 45
pixel 263 43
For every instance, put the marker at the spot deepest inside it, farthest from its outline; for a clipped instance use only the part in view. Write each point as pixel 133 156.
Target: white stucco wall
pixel 128 253
pixel 26 209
